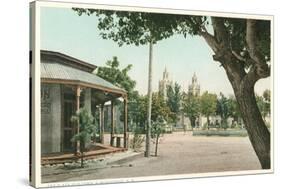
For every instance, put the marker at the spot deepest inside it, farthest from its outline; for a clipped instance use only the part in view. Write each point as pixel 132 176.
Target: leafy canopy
pixel 119 77
pixel 191 105
pixel 208 104
pixel 158 127
pixel 158 108
pixel 140 28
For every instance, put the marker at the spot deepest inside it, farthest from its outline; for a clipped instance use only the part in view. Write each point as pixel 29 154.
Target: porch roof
pixel 54 72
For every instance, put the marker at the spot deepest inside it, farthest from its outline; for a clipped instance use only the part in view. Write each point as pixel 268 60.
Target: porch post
pixel 102 123
pixel 112 124
pixel 78 92
pixel 125 123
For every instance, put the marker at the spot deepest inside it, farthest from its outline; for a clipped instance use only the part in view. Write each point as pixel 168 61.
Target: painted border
pixel 36 117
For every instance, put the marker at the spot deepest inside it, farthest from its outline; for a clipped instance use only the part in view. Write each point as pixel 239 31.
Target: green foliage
pixel 226 36
pixel 138 139
pixel 86 127
pixel 208 104
pixel 157 130
pixel 228 107
pixel 233 108
pixel 139 110
pixel 118 77
pixel 266 95
pixel 136 108
pixel 174 100
pixel 191 107
pixel 159 108
pixel 222 107
pixel 141 28
pixel 158 127
pixel 263 103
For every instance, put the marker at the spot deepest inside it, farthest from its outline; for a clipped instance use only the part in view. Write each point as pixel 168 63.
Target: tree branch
pixel 210 39
pixel 221 33
pixel 252 41
pixel 238 56
pixel 259 69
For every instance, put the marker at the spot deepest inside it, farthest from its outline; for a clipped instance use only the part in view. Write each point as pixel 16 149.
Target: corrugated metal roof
pixel 63 72
pixel 66 59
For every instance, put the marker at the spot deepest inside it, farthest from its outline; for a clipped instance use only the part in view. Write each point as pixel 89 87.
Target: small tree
pixel 157 130
pixel 208 105
pixel 191 107
pixel 138 139
pixel 233 108
pixel 264 103
pixel 266 96
pixel 173 101
pixel 85 121
pixel 223 110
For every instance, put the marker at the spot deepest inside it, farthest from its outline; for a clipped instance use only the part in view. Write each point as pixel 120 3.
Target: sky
pixel 64 31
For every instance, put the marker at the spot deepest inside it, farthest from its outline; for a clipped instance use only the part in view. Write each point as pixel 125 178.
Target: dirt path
pixel 179 154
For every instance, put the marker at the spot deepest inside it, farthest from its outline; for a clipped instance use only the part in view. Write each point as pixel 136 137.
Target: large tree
pixel 241 46
pixel 112 72
pixel 117 76
pixel 208 104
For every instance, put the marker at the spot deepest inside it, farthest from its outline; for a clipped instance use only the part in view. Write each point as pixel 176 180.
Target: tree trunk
pixel 243 82
pixel 208 122
pixel 156 145
pixel 255 126
pixel 82 153
pixel 149 93
pixel 192 122
pixel 224 123
pixel 258 133
pixel 82 160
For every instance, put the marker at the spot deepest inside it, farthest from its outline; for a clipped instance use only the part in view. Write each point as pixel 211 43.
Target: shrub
pixel 137 140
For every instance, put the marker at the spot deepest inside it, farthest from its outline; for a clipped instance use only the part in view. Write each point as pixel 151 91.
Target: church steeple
pixel 165 74
pixel 194 78
pixel 163 84
pixel 194 87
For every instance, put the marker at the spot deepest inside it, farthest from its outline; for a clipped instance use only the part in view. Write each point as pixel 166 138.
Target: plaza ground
pixel 178 153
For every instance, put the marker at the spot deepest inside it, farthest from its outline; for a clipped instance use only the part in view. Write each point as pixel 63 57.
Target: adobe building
pixel 68 84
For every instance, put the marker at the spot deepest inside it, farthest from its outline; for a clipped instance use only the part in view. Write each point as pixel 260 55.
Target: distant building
pixel 194 87
pixel 164 83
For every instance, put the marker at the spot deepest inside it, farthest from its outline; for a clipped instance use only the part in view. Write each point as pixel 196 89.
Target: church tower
pixel 163 84
pixel 194 87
